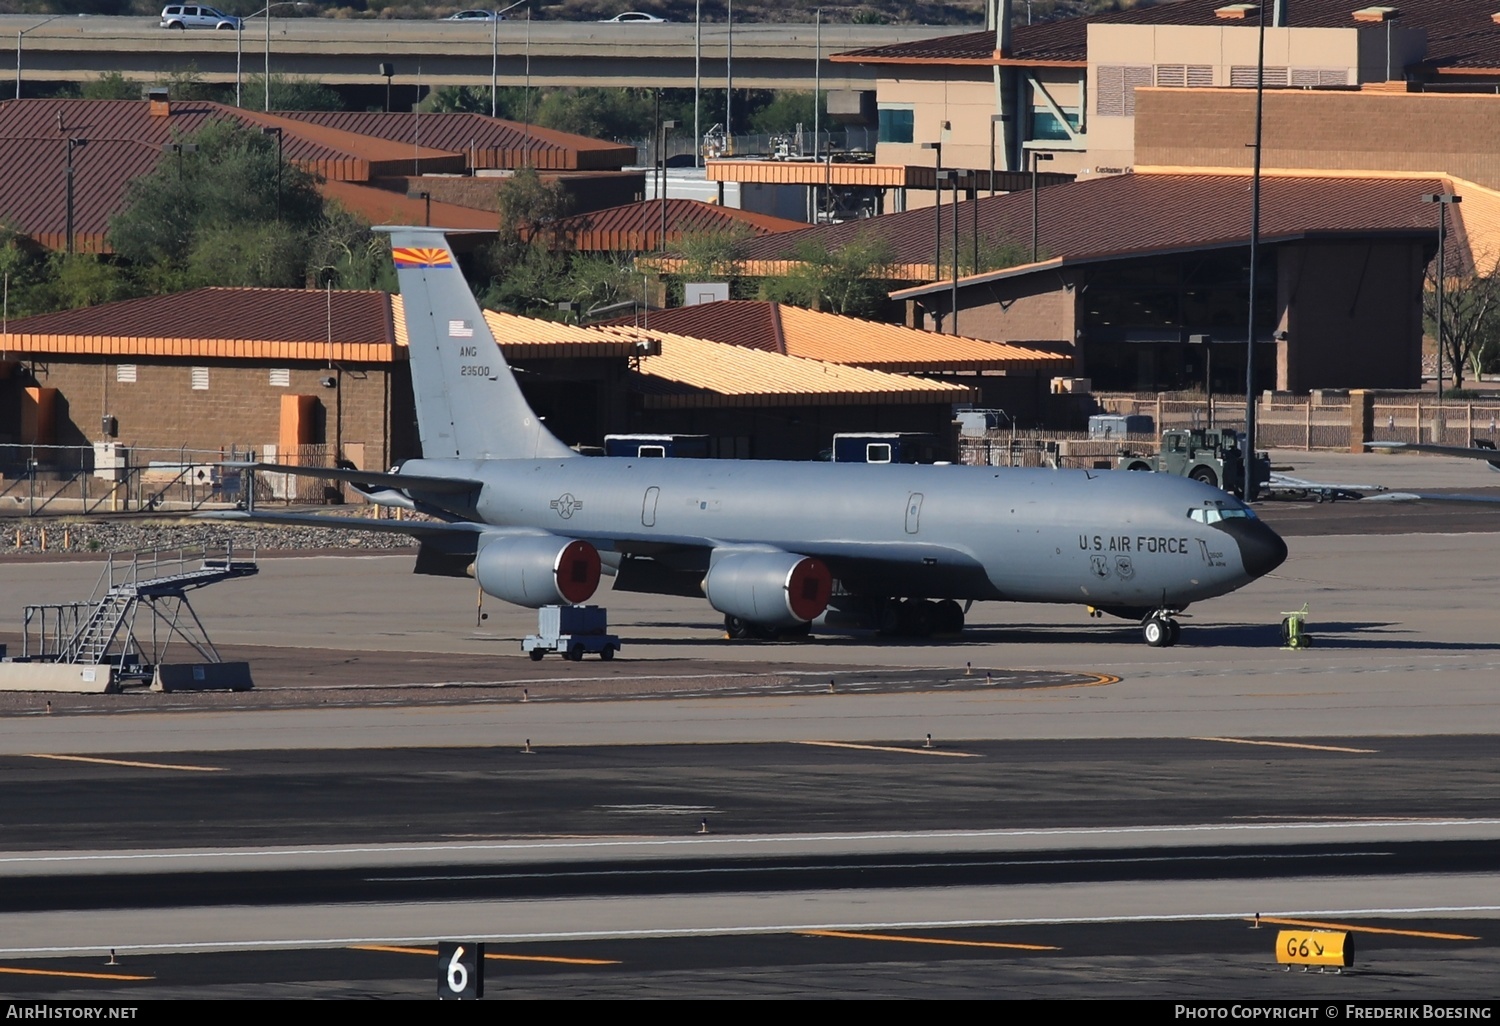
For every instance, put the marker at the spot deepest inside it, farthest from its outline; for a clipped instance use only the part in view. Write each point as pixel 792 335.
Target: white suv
pixel 186 16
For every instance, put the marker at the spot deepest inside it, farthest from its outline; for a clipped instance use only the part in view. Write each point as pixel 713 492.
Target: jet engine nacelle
pixel 775 589
pixel 537 569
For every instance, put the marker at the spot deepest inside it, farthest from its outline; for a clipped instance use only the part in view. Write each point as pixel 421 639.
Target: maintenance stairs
pixel 104 630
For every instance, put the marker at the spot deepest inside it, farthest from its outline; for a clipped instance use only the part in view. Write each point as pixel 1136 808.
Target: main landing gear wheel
pixel 1161 631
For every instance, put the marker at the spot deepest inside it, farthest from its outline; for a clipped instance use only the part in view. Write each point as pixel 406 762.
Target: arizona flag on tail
pixel 420 256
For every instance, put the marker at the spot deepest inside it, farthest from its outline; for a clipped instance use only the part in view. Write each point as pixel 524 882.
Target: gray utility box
pixel 1118 425
pixel 571 631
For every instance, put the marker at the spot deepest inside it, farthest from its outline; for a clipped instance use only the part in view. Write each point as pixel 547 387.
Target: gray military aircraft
pixel 777 547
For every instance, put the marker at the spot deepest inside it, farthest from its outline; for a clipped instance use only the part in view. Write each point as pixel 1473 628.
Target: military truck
pixel 1211 456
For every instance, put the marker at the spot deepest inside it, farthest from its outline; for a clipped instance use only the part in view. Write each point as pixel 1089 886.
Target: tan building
pixel 313 376
pixel 1067 90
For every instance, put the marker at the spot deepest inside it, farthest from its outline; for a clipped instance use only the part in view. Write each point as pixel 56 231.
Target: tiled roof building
pixel 372 164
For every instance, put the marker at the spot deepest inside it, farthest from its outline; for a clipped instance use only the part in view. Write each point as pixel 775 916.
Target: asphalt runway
pixel 1128 806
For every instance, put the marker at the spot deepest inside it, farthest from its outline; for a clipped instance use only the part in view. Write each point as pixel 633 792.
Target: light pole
pixel 817 72
pixel 995 120
pixel 661 152
pixel 179 149
pixel 937 202
pixel 954 302
pixel 1247 460
pixel 73 144
pixel 697 81
pixel 729 82
pixel 1036 159
pixel 277 133
pixel 495 53
pixel 1444 201
pixel 1207 342
pixel 19 34
pixel 239 47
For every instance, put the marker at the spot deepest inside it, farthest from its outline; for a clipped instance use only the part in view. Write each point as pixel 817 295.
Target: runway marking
pixel 126 762
pixel 927 940
pixel 891 748
pixel 1366 929
pixel 718 840
pixel 560 960
pixel 1289 744
pixel 71 975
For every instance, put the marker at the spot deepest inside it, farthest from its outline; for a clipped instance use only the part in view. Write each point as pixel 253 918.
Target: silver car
pixel 186 16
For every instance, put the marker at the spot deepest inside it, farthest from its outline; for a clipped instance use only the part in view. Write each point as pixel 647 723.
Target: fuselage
pixel 1100 538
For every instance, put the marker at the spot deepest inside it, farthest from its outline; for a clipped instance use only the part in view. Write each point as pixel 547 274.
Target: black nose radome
pixel 1261 549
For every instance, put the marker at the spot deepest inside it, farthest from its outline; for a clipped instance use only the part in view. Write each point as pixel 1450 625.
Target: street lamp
pixel 729 81
pixel 661 156
pixel 239 46
pixel 277 133
pixel 697 82
pixel 1207 342
pixel 388 70
pixel 179 149
pixel 1444 201
pixel 19 34
pixel 74 143
pixel 495 52
pixel 1036 159
pixel 954 304
pixel 937 201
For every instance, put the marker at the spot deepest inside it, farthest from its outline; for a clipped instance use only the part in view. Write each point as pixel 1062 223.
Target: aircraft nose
pixel 1261 549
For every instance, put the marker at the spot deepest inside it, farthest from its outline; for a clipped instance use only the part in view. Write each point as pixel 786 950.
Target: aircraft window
pixel 1213 514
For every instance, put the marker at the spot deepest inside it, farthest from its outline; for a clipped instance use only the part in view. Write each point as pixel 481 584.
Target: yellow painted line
pixel 76 976
pixel 931 940
pixel 1365 929
pixel 1290 744
pixel 127 762
pixel 498 957
pixel 886 748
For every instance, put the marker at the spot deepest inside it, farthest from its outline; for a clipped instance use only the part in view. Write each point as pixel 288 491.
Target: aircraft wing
pixel 1482 450
pixel 417 528
pixel 368 478
pixel 1429 497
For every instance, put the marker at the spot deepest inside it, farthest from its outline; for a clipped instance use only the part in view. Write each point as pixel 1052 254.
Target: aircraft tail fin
pixel 468 403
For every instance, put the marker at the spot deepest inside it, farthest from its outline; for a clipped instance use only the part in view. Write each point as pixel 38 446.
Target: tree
pixel 600 113
pixel 345 252
pixel 1471 320
pixel 852 279
pixel 786 110
pixel 231 193
pixel 289 93
pixel 599 280
pixel 111 86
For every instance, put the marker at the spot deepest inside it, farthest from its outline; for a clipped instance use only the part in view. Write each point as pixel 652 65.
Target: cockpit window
pixel 1212 514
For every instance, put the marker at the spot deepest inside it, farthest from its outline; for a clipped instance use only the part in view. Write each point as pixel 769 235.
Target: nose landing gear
pixel 1160 629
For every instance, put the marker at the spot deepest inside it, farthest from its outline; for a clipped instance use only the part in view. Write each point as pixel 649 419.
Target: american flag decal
pixel 420 256
pixel 460 329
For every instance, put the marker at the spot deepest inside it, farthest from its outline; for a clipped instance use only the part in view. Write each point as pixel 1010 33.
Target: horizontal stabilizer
pixel 430 528
pixel 1480 451
pixel 368 478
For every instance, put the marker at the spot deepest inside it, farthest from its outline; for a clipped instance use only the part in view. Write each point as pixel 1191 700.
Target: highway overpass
pixel 441 53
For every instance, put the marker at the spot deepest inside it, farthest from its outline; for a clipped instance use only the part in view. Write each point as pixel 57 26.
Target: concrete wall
pixel 1033 308
pixel 1352 314
pixel 1342 56
pixel 1456 133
